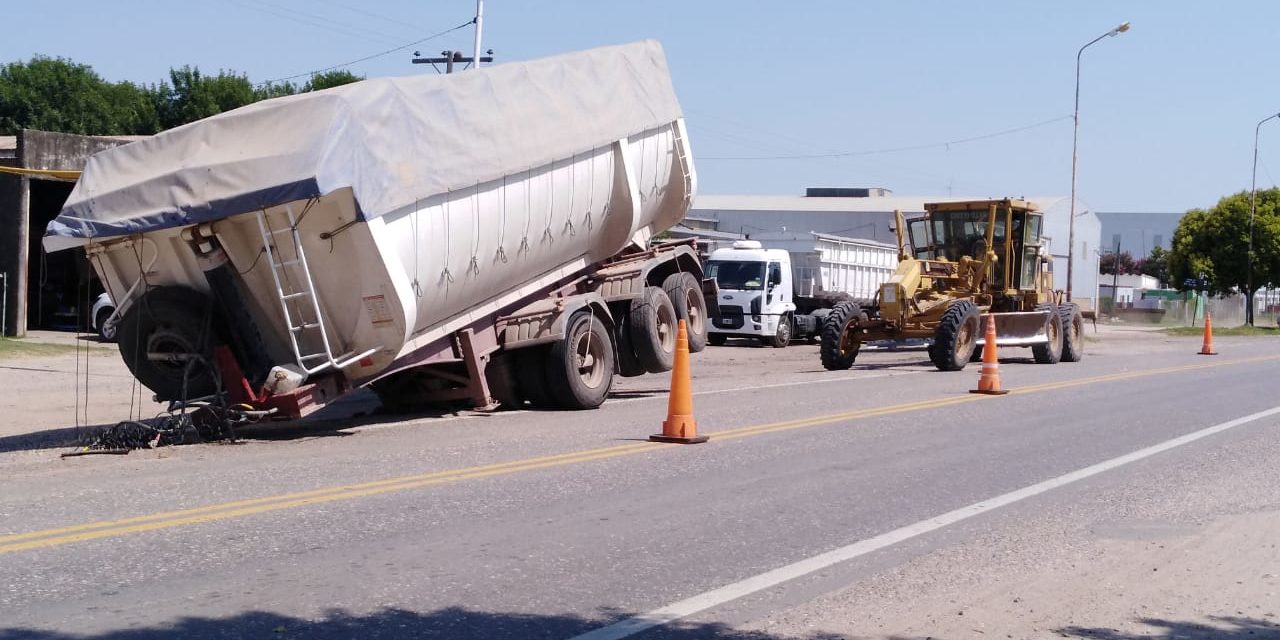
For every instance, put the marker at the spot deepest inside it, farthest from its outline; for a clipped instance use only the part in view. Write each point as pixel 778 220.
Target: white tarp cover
pixel 393 141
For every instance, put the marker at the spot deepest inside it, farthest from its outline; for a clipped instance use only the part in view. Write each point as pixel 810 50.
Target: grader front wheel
pixel 840 337
pixel 956 336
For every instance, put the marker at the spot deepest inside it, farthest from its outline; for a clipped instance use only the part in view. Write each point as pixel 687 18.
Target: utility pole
pixel 449 57
pixel 475 51
pixel 1115 282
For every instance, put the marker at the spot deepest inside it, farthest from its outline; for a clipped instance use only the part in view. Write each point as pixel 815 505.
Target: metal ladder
pixel 683 156
pixel 326 357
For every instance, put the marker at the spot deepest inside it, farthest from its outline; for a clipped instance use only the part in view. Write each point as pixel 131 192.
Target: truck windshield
pixel 737 276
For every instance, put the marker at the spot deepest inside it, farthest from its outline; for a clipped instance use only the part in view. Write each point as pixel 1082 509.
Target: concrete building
pixel 1138 232
pixel 868 214
pixel 43 290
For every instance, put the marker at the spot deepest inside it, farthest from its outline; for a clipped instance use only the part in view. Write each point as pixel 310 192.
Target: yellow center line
pixel 240 508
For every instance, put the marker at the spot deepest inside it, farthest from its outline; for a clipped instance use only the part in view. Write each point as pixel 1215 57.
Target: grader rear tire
pixel 840 344
pixel 1072 332
pixel 956 337
pixel 1049 352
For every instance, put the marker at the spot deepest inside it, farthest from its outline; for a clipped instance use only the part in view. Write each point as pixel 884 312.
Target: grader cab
pixel 958 263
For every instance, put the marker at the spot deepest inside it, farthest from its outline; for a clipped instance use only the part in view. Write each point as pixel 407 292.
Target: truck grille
pixel 730 318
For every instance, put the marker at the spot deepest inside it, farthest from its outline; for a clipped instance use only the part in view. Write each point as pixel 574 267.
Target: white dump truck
pixel 481 237
pixel 778 289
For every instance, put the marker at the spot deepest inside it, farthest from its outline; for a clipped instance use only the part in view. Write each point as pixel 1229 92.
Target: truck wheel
pixel 160 334
pixel 1049 352
pixel 954 341
pixel 105 333
pixel 686 296
pixel 1072 332
pixel 717 339
pixel 628 364
pixel 580 367
pixel 782 337
pixel 840 340
pixel 653 330
pixel 531 377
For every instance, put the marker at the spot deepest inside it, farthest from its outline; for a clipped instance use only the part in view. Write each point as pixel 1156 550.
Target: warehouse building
pixel 42 291
pixel 867 213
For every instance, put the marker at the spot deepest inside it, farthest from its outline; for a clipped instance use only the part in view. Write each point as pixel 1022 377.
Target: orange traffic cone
pixel 989 382
pixel 1207 348
pixel 680 427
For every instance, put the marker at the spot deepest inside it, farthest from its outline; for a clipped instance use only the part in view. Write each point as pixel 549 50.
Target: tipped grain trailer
pixel 478 237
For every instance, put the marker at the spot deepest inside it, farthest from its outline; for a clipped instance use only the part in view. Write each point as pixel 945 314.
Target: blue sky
pixel 1167 110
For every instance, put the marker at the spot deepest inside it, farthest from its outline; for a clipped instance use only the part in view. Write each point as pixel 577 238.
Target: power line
pixel 935 145
pixel 312 20
pixel 369 57
pixel 399 22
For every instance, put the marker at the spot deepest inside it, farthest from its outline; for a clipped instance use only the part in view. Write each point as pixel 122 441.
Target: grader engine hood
pixel 1019 329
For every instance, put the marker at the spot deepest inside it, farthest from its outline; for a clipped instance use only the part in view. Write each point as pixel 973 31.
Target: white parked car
pixel 103 309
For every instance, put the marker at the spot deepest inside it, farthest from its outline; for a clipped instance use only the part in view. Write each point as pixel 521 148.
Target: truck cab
pixel 757 296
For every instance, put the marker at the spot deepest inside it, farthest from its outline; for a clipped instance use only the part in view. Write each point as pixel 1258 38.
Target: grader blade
pixel 1019 329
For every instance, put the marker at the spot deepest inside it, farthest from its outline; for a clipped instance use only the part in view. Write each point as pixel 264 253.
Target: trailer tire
pixel 580 367
pixel 839 348
pixel 531 378
pixel 685 293
pixel 956 336
pixel 1072 332
pixel 1049 352
pixel 653 330
pixel 173 320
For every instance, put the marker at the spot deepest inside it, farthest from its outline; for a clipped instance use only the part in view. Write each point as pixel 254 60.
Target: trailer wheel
pixel 956 336
pixel 1049 352
pixel 653 330
pixel 580 367
pixel 840 340
pixel 686 296
pixel 1072 332
pixel 531 379
pixel 161 333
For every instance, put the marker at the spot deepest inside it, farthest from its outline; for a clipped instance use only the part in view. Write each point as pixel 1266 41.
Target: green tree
pixel 330 79
pixel 191 95
pixel 59 95
pixel 1156 265
pixel 1214 244
pixel 1108 263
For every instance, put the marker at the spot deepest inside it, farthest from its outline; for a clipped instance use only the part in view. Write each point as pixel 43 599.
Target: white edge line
pixel 768 579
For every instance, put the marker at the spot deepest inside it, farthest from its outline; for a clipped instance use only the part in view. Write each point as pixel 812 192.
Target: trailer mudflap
pixel 1018 328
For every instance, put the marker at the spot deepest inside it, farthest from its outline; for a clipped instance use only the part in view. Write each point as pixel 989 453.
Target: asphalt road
pixel 556 524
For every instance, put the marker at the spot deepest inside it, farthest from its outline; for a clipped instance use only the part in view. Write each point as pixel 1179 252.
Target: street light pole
pixel 1075 138
pixel 1253 207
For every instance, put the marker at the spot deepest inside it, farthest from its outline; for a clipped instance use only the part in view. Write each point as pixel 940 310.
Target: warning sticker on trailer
pixel 379 310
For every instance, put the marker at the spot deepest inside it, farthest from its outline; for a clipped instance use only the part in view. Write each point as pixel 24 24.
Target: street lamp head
pixel 1120 29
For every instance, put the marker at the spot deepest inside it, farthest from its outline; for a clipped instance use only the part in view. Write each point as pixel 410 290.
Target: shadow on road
pixel 452 623
pixel 1224 628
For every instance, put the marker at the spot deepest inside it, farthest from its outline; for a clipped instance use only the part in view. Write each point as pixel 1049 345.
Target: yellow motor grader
pixel 965 260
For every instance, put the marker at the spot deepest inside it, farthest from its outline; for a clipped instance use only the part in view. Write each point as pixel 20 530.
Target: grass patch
pixel 17 348
pixel 1242 330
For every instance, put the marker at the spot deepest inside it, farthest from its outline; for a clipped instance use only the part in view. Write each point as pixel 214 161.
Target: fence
pixel 1188 311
